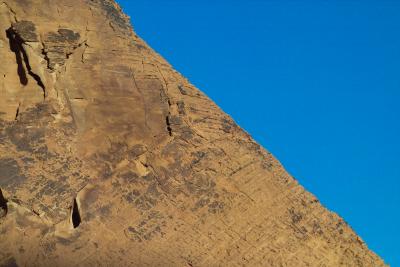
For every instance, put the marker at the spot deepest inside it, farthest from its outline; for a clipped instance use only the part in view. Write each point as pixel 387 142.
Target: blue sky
pixel 315 82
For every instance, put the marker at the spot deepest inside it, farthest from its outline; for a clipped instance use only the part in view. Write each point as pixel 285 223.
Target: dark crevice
pixel 35 212
pixel 22 59
pixel 11 10
pixel 17 112
pixel 75 216
pixel 16 46
pixel 3 205
pixel 39 82
pixel 46 57
pixel 168 125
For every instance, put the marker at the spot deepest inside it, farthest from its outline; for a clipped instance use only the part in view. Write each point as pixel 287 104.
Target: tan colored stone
pixel 109 157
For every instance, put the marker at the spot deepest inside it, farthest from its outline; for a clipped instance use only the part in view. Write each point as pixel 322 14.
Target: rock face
pixel 109 157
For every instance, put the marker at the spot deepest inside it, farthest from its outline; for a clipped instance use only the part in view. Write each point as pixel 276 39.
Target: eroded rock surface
pixel 109 157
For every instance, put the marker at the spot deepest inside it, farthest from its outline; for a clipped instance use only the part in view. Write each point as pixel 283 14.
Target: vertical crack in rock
pixel 22 60
pixel 75 214
pixel 169 129
pixel 165 99
pixel 45 55
pixel 17 112
pixel 16 47
pixel 3 205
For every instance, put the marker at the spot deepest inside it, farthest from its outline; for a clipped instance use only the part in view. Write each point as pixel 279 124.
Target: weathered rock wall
pixel 109 157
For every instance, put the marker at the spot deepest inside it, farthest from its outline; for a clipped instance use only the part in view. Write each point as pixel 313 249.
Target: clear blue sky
pixel 315 82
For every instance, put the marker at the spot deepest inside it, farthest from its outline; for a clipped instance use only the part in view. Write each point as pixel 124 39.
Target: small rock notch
pixel 3 205
pixel 169 128
pixel 75 214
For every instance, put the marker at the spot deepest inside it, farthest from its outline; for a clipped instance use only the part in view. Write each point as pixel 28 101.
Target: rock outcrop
pixel 109 157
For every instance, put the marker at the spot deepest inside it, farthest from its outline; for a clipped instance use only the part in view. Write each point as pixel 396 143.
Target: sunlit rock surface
pixel 109 157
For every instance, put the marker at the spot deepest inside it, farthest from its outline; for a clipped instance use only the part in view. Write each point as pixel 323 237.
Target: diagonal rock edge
pixel 126 163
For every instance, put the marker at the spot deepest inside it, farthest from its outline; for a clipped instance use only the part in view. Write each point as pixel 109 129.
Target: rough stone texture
pixel 109 157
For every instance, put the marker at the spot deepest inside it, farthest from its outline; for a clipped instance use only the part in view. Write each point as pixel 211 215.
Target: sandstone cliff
pixel 109 157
